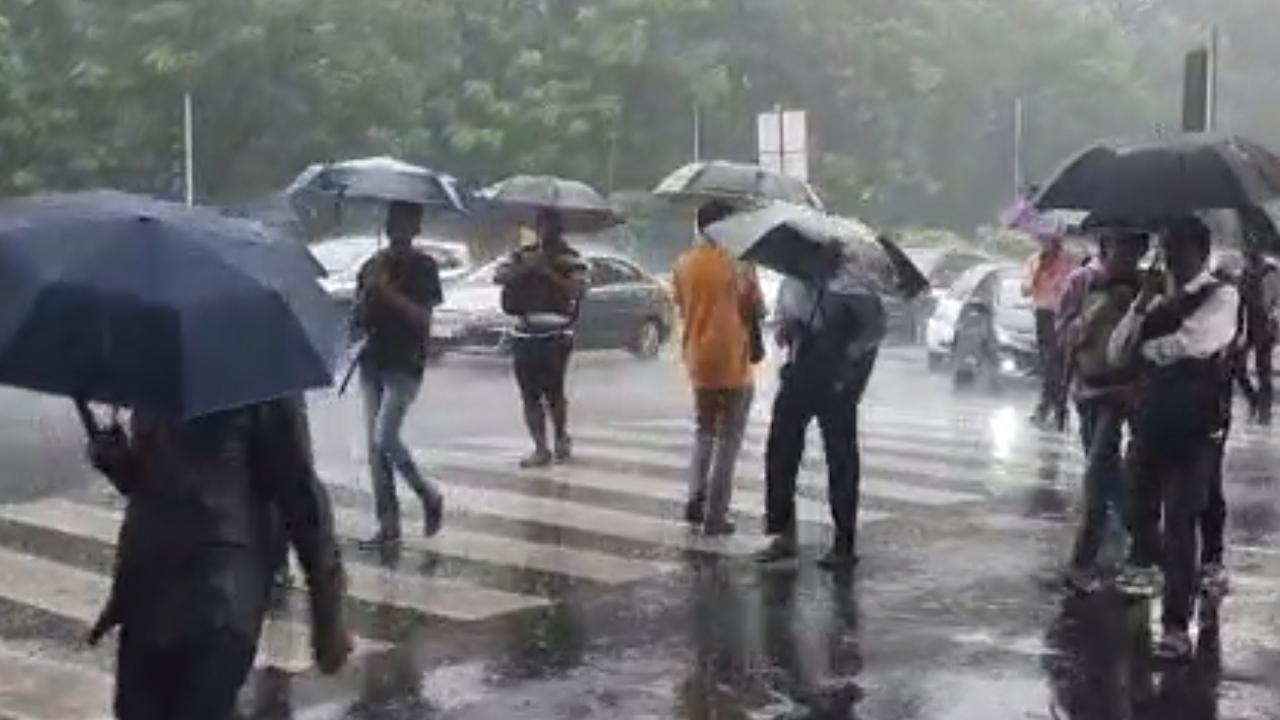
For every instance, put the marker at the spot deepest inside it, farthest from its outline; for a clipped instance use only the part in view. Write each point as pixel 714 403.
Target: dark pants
pixel 196 680
pixel 1105 486
pixel 797 403
pixel 1260 395
pixel 1213 523
pixel 1171 484
pixel 1050 362
pixel 541 365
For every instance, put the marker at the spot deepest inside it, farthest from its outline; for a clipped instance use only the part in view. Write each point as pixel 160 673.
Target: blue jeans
pixel 387 399
pixel 1105 487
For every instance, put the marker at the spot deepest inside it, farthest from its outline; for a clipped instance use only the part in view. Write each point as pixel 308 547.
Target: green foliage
pixel 910 100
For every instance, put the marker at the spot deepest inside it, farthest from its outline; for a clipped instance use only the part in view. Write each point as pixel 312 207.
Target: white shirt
pixel 1206 332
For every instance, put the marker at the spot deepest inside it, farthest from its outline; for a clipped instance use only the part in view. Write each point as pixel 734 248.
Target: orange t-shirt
pixel 713 293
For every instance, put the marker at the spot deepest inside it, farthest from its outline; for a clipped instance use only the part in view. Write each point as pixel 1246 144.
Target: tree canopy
pixel 910 100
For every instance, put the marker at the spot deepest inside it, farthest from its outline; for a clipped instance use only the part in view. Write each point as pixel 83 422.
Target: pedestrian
pixel 193 571
pixel 1097 296
pixel 832 332
pixel 1045 278
pixel 397 291
pixel 1182 333
pixel 719 303
pixel 1260 297
pixel 542 288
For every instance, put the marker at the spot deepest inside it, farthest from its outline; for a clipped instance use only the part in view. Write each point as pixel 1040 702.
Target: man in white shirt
pixel 1181 333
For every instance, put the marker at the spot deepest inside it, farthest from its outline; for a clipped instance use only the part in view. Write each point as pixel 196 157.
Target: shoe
pixel 1214 580
pixel 1137 581
pixel 564 449
pixel 721 528
pixel 782 548
pixel 538 459
pixel 432 517
pixel 839 558
pixel 693 511
pixel 1082 581
pixel 380 541
pixel 1175 646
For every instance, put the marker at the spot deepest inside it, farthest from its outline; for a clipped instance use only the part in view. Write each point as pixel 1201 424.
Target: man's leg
pixel 214 669
pixel 735 409
pixel 1046 352
pixel 144 681
pixel 705 417
pixel 400 392
pixel 1142 576
pixel 783 453
pixel 1186 480
pixel 1266 390
pixel 1213 523
pixel 559 351
pixel 839 423
pixel 380 468
pixel 1101 427
pixel 526 361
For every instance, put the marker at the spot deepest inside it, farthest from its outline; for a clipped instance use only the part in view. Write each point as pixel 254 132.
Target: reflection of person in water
pixel 1091 660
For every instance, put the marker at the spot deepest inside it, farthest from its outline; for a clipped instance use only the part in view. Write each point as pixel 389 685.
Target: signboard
pixel 782 141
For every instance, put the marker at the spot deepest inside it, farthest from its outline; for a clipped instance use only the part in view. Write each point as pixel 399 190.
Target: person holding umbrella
pixel 396 292
pixel 1181 333
pixel 542 287
pixel 1047 271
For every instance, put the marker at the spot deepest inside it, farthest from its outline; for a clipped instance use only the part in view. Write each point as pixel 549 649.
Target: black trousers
pixel 1213 523
pixel 798 402
pixel 195 680
pixel 1050 361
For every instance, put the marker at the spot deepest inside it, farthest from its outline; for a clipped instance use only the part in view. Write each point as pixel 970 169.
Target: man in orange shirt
pixel 718 299
pixel 1046 277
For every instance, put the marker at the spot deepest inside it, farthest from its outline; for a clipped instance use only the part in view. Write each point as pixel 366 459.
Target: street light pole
pixel 188 143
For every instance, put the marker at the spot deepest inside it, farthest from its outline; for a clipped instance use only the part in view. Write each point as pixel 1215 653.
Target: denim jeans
pixel 1106 488
pixel 387 399
pixel 722 422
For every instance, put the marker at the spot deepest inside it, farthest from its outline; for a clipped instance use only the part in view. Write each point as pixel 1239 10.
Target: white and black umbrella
pixel 736 182
pixel 580 207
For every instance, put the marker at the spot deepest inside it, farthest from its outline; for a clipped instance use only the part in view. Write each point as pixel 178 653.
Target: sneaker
pixel 564 449
pixel 838 558
pixel 1214 580
pixel 1174 646
pixel 380 541
pixel 693 511
pixel 432 517
pixel 538 459
pixel 1138 581
pixel 720 528
pixel 1082 581
pixel 782 548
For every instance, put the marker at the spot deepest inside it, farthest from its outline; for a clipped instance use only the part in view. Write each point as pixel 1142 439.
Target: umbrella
pixel 580 207
pixel 1169 179
pixel 178 311
pixel 724 180
pixel 802 242
pixel 317 194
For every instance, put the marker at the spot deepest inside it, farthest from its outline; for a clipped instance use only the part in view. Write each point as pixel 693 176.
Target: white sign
pixel 782 141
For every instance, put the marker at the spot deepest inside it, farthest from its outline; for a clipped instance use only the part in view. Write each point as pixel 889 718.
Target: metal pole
pixel 1017 147
pixel 1211 104
pixel 188 149
pixel 782 141
pixel 697 130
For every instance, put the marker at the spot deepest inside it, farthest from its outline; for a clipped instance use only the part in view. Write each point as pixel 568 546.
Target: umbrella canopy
pixel 723 180
pixel 1169 179
pixel 317 194
pixel 181 312
pixel 803 243
pixel 580 207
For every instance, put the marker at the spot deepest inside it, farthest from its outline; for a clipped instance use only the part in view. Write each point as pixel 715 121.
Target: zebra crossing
pixel 611 520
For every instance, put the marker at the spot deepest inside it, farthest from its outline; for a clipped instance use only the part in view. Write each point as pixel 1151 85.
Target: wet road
pixel 577 593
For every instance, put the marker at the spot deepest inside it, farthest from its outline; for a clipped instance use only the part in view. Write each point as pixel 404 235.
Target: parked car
pixel 342 258
pixel 624 308
pixel 998 288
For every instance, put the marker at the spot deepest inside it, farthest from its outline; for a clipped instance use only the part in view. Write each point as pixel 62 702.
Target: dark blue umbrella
pixel 181 312
pixel 319 192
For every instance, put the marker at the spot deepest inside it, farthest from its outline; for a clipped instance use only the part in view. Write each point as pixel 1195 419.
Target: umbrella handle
pixel 87 418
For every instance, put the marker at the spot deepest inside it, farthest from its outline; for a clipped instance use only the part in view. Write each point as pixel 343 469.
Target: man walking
pixel 1096 298
pixel 193 570
pixel 1046 276
pixel 1260 296
pixel 397 292
pixel 832 332
pixel 718 301
pixel 1182 335
pixel 542 288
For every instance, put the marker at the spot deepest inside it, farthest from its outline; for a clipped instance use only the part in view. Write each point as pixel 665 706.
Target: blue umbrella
pixel 318 193
pixel 180 312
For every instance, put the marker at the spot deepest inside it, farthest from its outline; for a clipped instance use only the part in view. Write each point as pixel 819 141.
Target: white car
pixel 1000 287
pixel 342 258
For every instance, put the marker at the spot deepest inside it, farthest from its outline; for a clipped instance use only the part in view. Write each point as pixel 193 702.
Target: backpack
pixel 1103 308
pixel 530 292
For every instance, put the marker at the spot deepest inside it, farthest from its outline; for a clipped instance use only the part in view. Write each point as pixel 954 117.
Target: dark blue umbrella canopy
pixel 181 312
pixel 319 192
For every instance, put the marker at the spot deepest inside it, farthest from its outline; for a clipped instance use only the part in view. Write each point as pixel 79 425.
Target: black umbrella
pixel 182 312
pixel 1169 179
pixel 735 182
pixel 580 207
pixel 320 191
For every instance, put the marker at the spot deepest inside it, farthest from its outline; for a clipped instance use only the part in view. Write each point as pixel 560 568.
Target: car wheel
pixel 648 340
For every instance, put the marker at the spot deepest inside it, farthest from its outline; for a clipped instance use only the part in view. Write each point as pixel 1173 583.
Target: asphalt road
pixel 578 593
